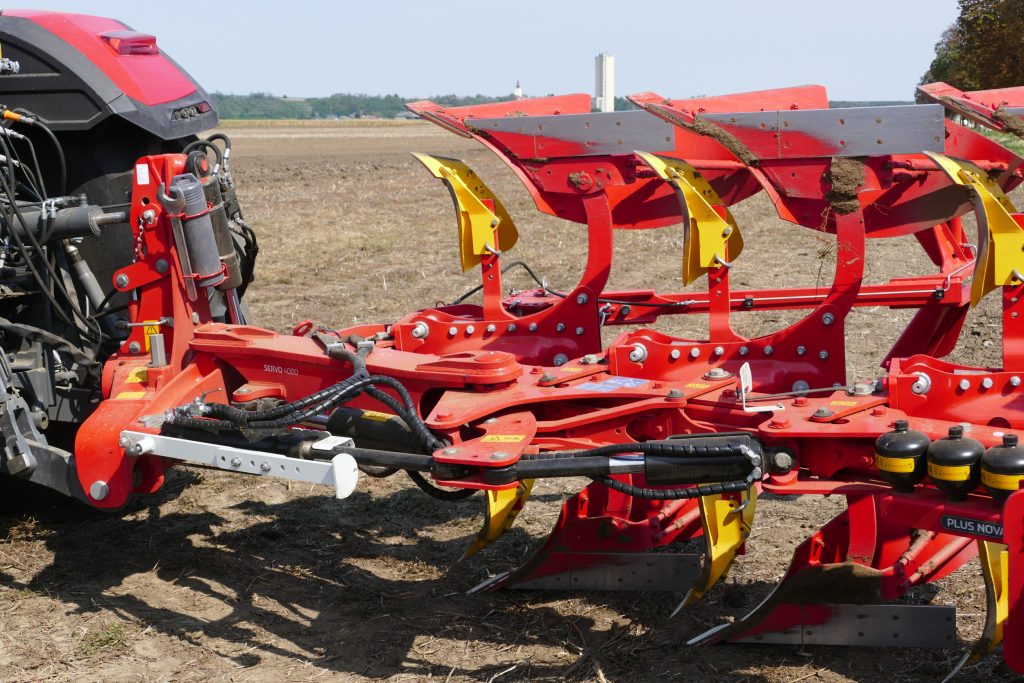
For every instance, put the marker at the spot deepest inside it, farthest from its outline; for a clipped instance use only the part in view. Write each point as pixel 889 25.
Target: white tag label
pixel 142 174
pixel 331 442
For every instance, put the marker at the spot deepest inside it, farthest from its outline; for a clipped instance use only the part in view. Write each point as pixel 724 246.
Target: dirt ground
pixel 221 578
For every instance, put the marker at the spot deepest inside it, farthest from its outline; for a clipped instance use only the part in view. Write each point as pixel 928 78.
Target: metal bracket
pixel 340 473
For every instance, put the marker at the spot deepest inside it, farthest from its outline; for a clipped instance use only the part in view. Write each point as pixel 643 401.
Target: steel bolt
pixel 121 280
pixel 579 331
pixel 674 393
pixel 744 350
pixel 470 329
pixel 134 347
pixel 823 355
pixel 823 412
pixel 124 442
pixel 781 462
pixel 769 350
pixel 420 330
pixel 828 318
pixel 561 359
pixel 560 327
pixel 99 490
pixel 532 327
pixel 694 352
pixel 491 329
pixel 987 383
pixel 638 354
pixel 264 467
pixel 547 378
pixel 964 385
pixel 674 355
pixel 801 350
pixel 162 266
pixel 149 216
pixel 719 351
pixel 452 331
pixel 801 385
pixel 236 462
pixel 717 373
pixel 581 299
pixel 511 327
pixel 1015 381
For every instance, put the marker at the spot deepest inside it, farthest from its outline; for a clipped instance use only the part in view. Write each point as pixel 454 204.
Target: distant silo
pixel 604 85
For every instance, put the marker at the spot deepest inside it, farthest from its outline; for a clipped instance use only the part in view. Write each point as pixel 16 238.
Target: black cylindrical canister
pixel 1002 467
pixel 953 463
pixel 899 456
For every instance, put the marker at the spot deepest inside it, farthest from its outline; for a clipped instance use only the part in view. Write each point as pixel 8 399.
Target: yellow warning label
pixel 376 416
pixel 148 328
pixel 844 403
pixel 1006 482
pixel 127 395
pixel 137 376
pixel 949 472
pixel 897 465
pixel 570 369
pixel 503 438
pixel 697 385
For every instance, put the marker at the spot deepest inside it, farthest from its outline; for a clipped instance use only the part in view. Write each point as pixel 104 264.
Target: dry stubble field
pixel 225 578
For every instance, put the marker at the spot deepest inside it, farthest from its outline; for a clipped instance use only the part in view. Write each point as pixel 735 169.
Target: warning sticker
pixel 848 404
pixel 128 395
pixel 142 174
pixel 503 438
pixel 613 383
pixel 137 376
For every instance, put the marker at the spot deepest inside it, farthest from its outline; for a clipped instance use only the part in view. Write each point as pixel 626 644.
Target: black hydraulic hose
pixel 36 122
pixel 196 144
pixel 676 494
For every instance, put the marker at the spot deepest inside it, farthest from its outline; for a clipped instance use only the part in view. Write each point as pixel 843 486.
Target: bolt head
pixel 264 467
pixel 769 350
pixel 560 327
pixel 828 318
pixel 694 352
pixel 452 331
pixel 561 359
pixel 1015 381
pixel 134 347
pixel 579 331
pixel 823 355
pixel 581 299
pixel 121 280
pixel 964 385
pixel 470 329
pixel 823 412
pixel 511 327
pixel 674 355
pixel 987 383
pixel 744 350
pixel 491 329
pixel 99 490
pixel 719 350
pixel 532 327
pixel 124 442
pixel 801 350
pixel 162 266
pixel 236 462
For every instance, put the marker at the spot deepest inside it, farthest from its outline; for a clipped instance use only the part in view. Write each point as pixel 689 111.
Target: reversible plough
pixel 678 436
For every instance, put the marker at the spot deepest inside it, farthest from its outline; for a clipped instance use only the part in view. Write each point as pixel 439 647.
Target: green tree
pixel 983 49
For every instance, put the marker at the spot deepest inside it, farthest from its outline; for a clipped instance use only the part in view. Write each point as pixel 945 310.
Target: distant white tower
pixel 518 92
pixel 604 82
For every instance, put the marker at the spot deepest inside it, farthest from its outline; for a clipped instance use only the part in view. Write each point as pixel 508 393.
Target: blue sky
pixel 862 49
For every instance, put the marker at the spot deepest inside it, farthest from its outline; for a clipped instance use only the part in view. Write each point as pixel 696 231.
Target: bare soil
pixel 239 579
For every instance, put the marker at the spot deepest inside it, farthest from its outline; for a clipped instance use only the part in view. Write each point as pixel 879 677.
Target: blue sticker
pixel 613 383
